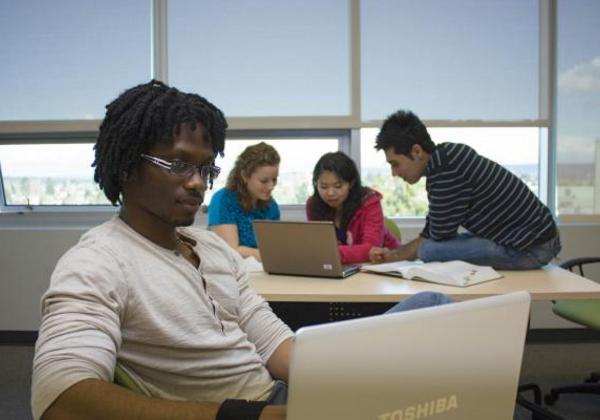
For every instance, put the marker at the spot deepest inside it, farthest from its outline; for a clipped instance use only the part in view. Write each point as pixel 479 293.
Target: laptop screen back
pixel 457 361
pixel 299 248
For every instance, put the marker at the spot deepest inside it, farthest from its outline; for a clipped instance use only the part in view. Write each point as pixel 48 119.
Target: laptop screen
pixel 299 248
pixel 457 361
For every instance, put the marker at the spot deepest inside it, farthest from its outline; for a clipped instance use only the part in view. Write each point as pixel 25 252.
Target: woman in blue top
pixel 246 197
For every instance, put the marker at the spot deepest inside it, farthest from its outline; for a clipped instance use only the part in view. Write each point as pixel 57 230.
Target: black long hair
pixel 143 116
pixel 345 168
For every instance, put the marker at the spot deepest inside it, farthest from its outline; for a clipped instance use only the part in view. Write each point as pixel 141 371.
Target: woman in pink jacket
pixel 356 210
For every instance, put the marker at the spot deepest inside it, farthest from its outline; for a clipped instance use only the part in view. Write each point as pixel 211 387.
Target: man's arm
pixel 278 364
pixel 405 252
pixel 95 399
pixel 272 338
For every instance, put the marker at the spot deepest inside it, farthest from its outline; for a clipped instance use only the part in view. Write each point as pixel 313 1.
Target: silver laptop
pixel 300 248
pixel 457 361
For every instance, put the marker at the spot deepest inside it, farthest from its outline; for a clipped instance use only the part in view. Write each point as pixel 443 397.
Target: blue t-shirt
pixel 225 209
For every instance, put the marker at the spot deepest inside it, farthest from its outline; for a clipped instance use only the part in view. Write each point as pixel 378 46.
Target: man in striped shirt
pixel 505 225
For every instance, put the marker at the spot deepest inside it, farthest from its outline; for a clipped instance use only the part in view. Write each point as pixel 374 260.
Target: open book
pixel 451 273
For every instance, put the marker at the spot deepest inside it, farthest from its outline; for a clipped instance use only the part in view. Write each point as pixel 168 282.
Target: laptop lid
pixel 300 248
pixel 457 361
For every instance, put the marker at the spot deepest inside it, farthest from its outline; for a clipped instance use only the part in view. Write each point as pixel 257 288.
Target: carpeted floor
pixel 545 364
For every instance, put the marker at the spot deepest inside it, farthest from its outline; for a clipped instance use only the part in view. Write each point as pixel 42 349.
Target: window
pixel 309 77
pixel 450 60
pixel 263 57
pixel 61 174
pixel 65 60
pixel 298 157
pixel 514 148
pixel 578 108
pixel 49 175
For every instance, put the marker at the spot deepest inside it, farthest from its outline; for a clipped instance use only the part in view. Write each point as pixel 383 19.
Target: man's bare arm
pixel 278 364
pixel 95 399
pixel 405 252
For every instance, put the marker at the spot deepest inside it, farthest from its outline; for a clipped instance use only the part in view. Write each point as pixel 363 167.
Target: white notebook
pixel 451 273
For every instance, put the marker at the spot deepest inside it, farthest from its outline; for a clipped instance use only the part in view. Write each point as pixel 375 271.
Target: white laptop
pixel 300 248
pixel 457 361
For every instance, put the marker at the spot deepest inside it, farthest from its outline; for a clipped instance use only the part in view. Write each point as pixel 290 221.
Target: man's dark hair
pixel 401 130
pixel 143 116
pixel 345 168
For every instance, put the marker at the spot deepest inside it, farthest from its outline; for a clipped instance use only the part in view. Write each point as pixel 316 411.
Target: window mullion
pixel 159 49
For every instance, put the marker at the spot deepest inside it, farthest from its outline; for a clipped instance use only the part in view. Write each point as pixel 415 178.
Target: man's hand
pixel 378 255
pixel 405 252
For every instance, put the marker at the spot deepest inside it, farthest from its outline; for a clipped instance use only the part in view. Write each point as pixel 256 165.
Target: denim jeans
pixel 420 300
pixel 279 394
pixel 476 250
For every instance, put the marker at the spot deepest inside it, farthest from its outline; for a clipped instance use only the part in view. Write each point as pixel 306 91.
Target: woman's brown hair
pixel 253 157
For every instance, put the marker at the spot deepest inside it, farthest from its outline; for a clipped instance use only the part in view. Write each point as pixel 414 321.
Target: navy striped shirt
pixel 468 190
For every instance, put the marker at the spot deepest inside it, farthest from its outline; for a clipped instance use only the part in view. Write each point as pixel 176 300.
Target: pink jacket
pixel 365 230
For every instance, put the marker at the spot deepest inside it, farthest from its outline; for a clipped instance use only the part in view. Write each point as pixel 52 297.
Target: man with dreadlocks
pixel 167 304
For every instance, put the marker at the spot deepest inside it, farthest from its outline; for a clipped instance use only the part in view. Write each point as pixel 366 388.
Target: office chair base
pixel 537 411
pixel 587 388
pixel 594 377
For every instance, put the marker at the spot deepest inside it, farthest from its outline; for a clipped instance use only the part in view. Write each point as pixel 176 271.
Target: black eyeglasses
pixel 178 167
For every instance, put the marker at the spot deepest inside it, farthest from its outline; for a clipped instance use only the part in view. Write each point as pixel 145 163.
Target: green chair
pixel 584 312
pixel 122 378
pixel 391 226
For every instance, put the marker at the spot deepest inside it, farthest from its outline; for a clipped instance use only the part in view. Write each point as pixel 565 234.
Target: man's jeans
pixel 420 300
pixel 476 250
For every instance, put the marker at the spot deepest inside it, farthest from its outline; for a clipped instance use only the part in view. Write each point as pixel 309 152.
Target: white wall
pixel 28 256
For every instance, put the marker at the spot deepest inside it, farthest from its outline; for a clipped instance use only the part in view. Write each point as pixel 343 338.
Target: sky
pixel 519 146
pixel 74 160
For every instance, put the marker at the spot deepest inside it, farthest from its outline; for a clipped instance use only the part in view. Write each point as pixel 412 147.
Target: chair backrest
pixel 581 311
pixel 122 378
pixel 580 262
pixel 392 227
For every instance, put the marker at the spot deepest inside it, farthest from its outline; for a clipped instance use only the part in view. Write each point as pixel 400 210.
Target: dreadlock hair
pixel 143 116
pixel 253 157
pixel 401 131
pixel 345 168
